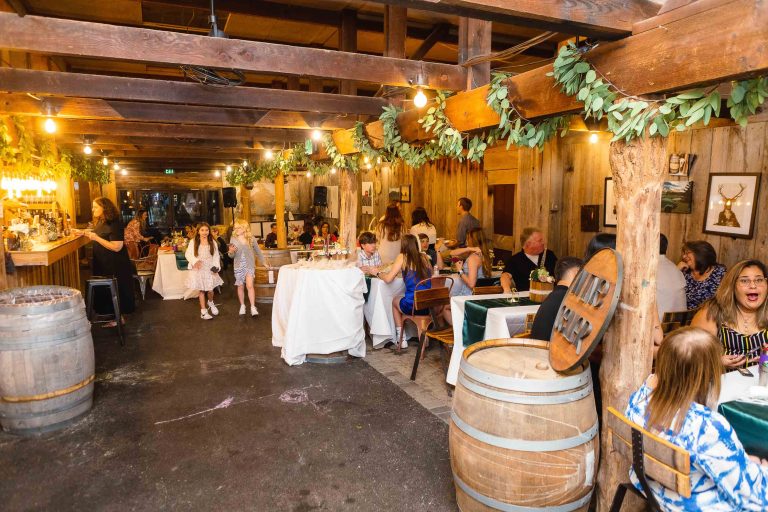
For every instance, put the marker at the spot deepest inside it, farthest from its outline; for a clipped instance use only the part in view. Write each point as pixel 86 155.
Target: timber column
pixel 348 210
pixel 282 240
pixel 638 171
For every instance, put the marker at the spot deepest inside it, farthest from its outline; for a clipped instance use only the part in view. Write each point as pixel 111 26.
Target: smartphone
pixel 745 372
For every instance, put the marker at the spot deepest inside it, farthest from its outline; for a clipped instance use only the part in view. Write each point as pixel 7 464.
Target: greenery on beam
pixel 628 116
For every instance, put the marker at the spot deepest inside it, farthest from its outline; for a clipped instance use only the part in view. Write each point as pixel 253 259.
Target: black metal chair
pixel 95 283
pixel 652 457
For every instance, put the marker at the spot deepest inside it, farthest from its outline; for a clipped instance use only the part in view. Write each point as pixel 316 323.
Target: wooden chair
pixel 526 333
pixel 434 299
pixel 487 290
pixel 651 457
pixel 675 319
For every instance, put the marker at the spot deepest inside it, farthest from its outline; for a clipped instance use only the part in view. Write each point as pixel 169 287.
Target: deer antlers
pixel 729 199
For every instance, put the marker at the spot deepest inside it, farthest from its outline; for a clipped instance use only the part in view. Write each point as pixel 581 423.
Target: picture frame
pixel 366 199
pixel 677 197
pixel 405 194
pixel 609 204
pixel 731 204
pixel 590 218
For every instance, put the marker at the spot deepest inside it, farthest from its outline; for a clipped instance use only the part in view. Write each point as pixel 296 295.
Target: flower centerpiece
pixel 541 284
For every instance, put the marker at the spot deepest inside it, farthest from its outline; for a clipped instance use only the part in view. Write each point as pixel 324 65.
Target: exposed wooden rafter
pixel 607 19
pixel 731 36
pixel 165 91
pixel 84 39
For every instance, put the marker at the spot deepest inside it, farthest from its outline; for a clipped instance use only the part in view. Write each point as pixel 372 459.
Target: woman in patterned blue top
pixel 677 404
pixel 702 272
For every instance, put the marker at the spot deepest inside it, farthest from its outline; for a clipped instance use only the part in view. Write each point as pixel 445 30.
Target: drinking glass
pixel 514 299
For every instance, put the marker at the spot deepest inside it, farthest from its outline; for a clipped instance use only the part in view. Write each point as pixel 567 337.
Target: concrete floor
pixel 196 415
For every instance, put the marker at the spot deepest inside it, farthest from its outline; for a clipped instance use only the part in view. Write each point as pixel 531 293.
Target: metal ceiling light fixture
pixel 209 76
pixel 49 110
pixel 87 142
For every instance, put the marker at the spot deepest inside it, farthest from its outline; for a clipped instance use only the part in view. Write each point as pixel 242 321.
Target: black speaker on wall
pixel 320 196
pixel 230 197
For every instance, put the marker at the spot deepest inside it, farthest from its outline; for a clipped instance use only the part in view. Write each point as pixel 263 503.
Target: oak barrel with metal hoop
pixel 46 359
pixel 522 436
pixel 265 279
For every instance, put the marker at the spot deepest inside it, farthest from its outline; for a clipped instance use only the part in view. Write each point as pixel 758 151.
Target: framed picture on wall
pixel 731 204
pixel 609 204
pixel 677 197
pixel 405 194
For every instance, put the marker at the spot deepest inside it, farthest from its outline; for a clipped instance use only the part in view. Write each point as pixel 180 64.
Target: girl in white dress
pixel 243 249
pixel 203 257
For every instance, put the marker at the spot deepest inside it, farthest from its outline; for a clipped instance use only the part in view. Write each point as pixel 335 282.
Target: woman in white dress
pixel 203 257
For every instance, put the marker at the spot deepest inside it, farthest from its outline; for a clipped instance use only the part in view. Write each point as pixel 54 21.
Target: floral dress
pixel 203 279
pixel 698 292
pixel 244 259
pixel 722 478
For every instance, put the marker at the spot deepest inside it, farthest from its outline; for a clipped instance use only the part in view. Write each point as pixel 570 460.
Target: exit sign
pixel 169 171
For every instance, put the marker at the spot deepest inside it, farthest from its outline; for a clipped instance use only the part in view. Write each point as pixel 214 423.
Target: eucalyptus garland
pixel 362 144
pixel 448 140
pixel 339 160
pixel 629 116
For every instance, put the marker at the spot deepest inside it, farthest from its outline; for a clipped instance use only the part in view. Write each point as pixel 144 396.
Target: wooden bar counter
pixel 49 263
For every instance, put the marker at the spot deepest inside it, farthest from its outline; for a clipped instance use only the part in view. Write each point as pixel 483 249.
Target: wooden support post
pixel 282 240
pixel 348 43
pixel 348 211
pixel 245 201
pixel 395 27
pixel 475 41
pixel 638 171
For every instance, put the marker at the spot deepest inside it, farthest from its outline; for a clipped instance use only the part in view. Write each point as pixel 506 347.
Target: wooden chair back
pixel 439 293
pixel 675 319
pixel 133 250
pixel 664 462
pixel 487 290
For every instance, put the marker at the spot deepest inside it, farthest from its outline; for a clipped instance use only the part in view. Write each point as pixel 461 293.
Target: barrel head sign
pixel 586 310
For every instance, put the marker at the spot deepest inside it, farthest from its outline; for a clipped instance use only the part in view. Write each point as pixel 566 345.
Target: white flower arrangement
pixel 541 275
pixel 21 227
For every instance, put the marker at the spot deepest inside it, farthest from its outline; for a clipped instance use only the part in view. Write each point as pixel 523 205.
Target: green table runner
pixel 476 312
pixel 750 421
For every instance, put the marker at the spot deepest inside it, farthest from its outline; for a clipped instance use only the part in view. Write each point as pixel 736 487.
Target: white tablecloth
pixel 318 309
pixel 500 323
pixel 169 280
pixel 378 309
pixel 734 385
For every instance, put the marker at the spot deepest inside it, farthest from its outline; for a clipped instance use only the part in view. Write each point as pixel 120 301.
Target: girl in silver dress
pixel 243 249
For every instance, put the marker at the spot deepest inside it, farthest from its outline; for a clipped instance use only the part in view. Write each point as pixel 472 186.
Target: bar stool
pixel 110 282
pixel 143 276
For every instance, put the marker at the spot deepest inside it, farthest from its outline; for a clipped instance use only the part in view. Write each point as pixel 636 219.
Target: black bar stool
pixel 110 282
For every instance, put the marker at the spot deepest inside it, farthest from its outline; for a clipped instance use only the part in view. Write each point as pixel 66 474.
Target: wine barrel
pixel 46 359
pixel 265 279
pixel 522 436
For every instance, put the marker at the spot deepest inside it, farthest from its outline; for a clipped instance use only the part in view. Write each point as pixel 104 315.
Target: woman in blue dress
pixel 414 267
pixel 677 403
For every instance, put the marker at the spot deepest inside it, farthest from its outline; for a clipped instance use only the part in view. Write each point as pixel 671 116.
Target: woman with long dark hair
pixel 420 223
pixel 390 233
pixel 414 266
pixel 738 313
pixel 110 257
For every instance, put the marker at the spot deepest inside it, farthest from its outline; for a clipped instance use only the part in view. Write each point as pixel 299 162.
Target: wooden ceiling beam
pixel 84 39
pixel 15 103
pixel 166 91
pixel 607 19
pixel 440 31
pixel 165 130
pixel 722 44
pixel 102 141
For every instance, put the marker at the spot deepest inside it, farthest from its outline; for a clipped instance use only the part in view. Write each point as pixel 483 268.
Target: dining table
pixel 747 415
pixel 503 319
pixel 170 281
pixel 318 309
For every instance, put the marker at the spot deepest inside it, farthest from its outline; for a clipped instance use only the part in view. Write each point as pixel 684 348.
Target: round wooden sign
pixel 586 310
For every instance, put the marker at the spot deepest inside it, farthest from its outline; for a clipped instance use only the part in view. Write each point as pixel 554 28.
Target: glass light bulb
pixel 105 161
pixel 50 125
pixel 420 99
pixel 217 173
pixel 87 149
pixel 593 138
pixel 229 168
pixel 116 166
pixel 123 172
pixel 268 154
pixel 309 174
pixel 317 134
pixel 333 170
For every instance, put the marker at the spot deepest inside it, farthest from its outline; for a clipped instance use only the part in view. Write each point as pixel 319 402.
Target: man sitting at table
pixel 565 272
pixel 517 271
pixel 368 259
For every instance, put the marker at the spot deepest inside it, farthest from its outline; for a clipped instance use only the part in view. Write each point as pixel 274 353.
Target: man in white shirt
pixel 670 283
